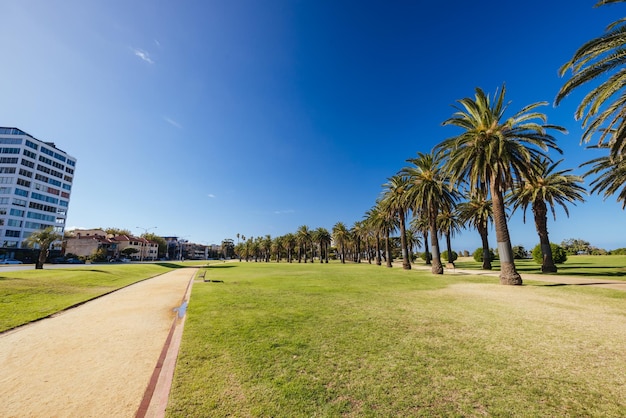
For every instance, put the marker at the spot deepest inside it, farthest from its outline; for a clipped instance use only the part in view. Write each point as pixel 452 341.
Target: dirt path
pixel 92 361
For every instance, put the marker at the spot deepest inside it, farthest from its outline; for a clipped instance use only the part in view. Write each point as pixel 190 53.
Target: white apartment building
pixel 35 186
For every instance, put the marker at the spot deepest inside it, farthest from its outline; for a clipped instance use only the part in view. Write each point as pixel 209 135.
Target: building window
pixel 16 212
pixel 19 202
pixel 15 223
pixel 30 154
pixel 21 192
pixel 23 182
pixel 8 160
pixel 6 180
pixel 31 144
pixel 24 162
pixel 24 173
pixel 9 150
pixel 11 141
pixel 11 233
pixel 7 170
pixel 5 190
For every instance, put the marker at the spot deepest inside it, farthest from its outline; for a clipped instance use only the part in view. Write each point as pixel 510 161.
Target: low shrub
pixel 559 256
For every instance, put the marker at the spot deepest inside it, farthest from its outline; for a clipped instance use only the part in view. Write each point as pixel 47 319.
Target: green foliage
pixel 426 255
pixel 618 251
pixel 478 254
pixel 129 251
pixel 98 255
pixel 559 256
pixel 519 252
pixel 573 246
pixel 444 256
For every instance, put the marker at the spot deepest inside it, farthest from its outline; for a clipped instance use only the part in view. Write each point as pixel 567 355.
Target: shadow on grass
pixel 175 266
pixel 572 284
pixel 226 266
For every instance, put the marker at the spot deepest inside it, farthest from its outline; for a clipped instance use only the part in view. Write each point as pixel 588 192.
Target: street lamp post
pixel 145 232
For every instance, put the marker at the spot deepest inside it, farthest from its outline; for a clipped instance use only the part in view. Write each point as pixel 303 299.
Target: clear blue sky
pixel 212 118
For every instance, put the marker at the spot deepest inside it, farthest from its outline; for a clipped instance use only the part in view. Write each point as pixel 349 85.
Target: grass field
pixel 279 340
pixel 29 295
pixel 588 266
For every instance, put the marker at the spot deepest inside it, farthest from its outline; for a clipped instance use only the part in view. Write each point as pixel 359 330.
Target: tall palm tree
pixel 478 212
pixel 373 221
pixel 340 236
pixel 602 110
pixel 420 223
pixel 494 151
pixel 358 234
pixel 303 236
pixel 323 238
pixel 289 241
pixel 547 187
pixel 430 192
pixel 449 224
pixel 611 171
pixel 395 197
pixel 277 247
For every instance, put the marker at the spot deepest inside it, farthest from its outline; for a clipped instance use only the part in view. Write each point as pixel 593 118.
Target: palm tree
pixel 303 236
pixel 42 239
pixel 601 59
pixel 372 220
pixel 420 224
pixel 358 234
pixel 430 191
pixel 277 247
pixel 493 152
pixel 478 212
pixel 395 198
pixel 289 240
pixel 547 187
pixel 449 224
pixel 340 236
pixel 611 171
pixel 322 236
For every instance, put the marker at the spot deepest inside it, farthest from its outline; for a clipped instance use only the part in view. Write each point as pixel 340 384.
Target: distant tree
pixel 478 255
pixel 101 254
pixel 42 239
pixel 228 248
pixel 129 251
pixel 519 252
pixel 117 231
pixel 160 241
pixel 451 258
pixel 574 246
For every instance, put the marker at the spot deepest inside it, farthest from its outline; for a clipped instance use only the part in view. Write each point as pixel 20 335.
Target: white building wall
pixel 35 186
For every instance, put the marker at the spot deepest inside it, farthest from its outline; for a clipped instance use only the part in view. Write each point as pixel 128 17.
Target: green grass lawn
pixel 279 340
pixel 590 266
pixel 29 295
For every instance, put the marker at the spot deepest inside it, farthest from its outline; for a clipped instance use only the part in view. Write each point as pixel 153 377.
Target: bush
pixel 559 256
pixel 426 254
pixel 478 254
pixel 444 256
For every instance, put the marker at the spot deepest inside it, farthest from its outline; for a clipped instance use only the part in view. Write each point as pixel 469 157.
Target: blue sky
pixel 211 118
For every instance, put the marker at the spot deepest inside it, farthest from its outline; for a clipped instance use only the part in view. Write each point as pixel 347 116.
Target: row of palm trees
pixel 302 245
pixel 494 163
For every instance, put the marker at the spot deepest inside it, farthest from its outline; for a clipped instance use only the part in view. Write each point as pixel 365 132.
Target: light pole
pixel 145 232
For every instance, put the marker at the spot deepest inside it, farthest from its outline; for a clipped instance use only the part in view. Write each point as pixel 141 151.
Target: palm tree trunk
pixel 449 248
pixel 428 257
pixel 541 223
pixel 387 250
pixel 482 230
pixel 437 267
pixel 43 254
pixel 378 258
pixel 406 263
pixel 508 272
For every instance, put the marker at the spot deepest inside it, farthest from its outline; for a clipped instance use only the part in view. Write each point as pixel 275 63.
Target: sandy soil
pixel 92 361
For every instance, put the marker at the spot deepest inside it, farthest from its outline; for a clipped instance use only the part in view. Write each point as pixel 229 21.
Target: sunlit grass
pixel 29 295
pixel 592 266
pixel 359 340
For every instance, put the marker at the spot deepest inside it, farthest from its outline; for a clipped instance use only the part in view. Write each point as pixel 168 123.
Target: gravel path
pixel 96 360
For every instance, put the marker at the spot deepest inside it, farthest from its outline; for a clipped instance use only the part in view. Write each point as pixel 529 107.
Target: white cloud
pixel 143 55
pixel 157 43
pixel 172 122
pixel 211 195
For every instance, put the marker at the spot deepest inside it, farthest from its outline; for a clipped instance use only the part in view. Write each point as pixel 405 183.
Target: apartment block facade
pixel 35 186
